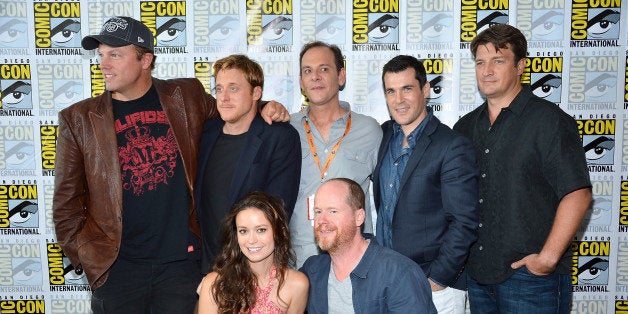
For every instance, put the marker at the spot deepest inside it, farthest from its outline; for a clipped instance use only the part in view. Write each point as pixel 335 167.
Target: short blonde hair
pixel 251 69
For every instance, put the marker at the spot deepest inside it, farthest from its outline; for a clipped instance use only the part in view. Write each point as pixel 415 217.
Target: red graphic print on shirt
pixel 147 160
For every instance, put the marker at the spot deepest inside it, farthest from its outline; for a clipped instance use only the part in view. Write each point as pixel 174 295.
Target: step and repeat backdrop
pixel 577 59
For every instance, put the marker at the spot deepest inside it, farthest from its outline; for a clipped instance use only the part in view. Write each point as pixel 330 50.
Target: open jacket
pixel 87 203
pixel 270 162
pixel 436 215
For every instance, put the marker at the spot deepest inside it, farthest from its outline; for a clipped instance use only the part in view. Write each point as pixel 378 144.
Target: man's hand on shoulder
pixel 275 112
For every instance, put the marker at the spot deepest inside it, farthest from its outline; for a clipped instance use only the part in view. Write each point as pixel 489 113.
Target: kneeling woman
pixel 251 274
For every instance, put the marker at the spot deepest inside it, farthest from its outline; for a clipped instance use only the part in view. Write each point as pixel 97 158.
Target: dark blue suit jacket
pixel 270 162
pixel 436 215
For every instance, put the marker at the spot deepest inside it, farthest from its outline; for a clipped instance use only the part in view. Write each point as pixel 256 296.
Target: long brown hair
pixel 234 289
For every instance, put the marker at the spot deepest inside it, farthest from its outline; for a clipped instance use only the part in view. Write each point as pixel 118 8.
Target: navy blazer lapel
pixel 252 145
pixel 383 147
pixel 419 150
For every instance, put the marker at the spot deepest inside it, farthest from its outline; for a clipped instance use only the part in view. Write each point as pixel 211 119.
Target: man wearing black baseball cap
pixel 121 31
pixel 126 163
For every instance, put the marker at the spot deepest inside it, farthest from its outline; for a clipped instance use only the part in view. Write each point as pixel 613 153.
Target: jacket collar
pixel 367 260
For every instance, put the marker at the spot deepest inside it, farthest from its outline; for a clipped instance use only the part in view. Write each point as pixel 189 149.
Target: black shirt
pixel 528 160
pixel 215 204
pixel 155 196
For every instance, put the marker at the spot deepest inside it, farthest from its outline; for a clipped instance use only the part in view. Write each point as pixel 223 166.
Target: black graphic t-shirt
pixel 155 195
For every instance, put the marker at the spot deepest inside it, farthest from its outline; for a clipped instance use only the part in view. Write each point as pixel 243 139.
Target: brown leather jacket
pixel 87 204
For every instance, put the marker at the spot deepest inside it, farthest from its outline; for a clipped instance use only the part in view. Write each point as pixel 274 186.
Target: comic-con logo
pixel 324 21
pixel 23 306
pixel 478 15
pixel 598 140
pixel 13 25
pixel 590 265
pixel 598 215
pixel 216 23
pixel 545 77
pixel 429 22
pixel 541 20
pixel 170 67
pixel 439 75
pixel 376 99
pixel 17 149
pixel 167 21
pixel 589 304
pixel 60 85
pixel 73 304
pixel 621 268
pixel 101 11
pixel 57 24
pixel 18 208
pixel 621 306
pixel 60 269
pixel 20 265
pixel 96 78
pixel 375 22
pixel 626 84
pixel 48 139
pixel 468 94
pixel 593 82
pixel 48 193
pixel 203 70
pixel 623 209
pixel 269 23
pixel 595 23
pixel 278 80
pixel 624 151
pixel 15 86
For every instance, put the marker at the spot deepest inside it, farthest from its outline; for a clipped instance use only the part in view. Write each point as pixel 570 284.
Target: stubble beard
pixel 338 242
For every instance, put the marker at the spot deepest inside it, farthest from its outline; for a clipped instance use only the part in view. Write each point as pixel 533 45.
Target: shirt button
pixel 481 201
pixel 396 163
pixel 326 150
pixel 390 185
pixel 481 248
pixel 484 175
pixel 486 151
pixel 480 225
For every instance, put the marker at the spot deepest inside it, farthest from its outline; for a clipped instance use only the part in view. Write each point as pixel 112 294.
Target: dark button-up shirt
pixel 528 160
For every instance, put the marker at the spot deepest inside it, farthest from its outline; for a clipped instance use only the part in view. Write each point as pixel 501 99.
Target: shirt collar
pixel 518 104
pixel 343 104
pixel 414 135
pixel 364 265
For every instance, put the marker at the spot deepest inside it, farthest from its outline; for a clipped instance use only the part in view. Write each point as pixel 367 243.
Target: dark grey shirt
pixel 528 160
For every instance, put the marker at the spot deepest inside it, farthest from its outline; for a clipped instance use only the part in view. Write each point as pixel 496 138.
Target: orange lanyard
pixel 330 157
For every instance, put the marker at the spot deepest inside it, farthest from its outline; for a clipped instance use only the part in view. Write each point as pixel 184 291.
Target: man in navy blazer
pixel 240 153
pixel 425 186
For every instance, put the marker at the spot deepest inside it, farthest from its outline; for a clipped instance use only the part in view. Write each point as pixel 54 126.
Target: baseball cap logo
pixel 120 31
pixel 114 24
